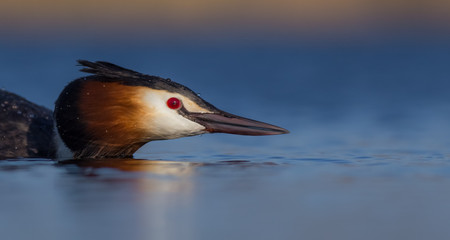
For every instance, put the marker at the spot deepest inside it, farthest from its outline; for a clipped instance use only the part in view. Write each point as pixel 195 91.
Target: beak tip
pixel 280 131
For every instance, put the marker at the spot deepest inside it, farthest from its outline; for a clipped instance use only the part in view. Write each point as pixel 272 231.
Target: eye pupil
pixel 174 103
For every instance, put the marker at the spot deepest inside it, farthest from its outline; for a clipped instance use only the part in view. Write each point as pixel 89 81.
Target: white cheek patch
pixel 166 123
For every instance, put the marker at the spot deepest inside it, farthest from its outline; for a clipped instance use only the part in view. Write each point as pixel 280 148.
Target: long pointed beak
pixel 223 122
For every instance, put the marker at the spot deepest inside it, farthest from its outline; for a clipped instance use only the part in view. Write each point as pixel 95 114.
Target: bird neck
pixel 93 150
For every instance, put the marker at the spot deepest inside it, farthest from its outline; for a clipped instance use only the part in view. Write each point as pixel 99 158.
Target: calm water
pixel 367 158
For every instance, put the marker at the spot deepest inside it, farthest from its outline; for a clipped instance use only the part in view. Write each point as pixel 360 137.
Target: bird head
pixel 114 111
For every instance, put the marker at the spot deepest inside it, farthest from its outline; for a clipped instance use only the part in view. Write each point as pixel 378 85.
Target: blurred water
pixel 367 156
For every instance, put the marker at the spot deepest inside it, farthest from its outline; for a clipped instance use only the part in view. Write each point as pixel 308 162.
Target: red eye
pixel 174 103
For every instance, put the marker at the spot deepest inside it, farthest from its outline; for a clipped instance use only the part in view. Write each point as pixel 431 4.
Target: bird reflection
pixel 149 175
pixel 158 167
pixel 146 176
pixel 152 184
pixel 169 168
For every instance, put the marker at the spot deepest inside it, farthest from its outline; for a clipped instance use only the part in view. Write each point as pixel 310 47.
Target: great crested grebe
pixel 112 113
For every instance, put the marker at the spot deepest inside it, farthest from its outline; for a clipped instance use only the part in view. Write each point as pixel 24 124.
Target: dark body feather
pixel 26 129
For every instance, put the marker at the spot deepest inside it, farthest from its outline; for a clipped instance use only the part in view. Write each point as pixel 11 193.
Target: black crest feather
pixel 107 69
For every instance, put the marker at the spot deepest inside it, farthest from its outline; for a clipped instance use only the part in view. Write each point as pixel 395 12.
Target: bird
pixel 111 113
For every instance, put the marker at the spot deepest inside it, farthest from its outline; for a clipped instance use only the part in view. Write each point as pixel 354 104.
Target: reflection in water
pixel 169 168
pixel 156 191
